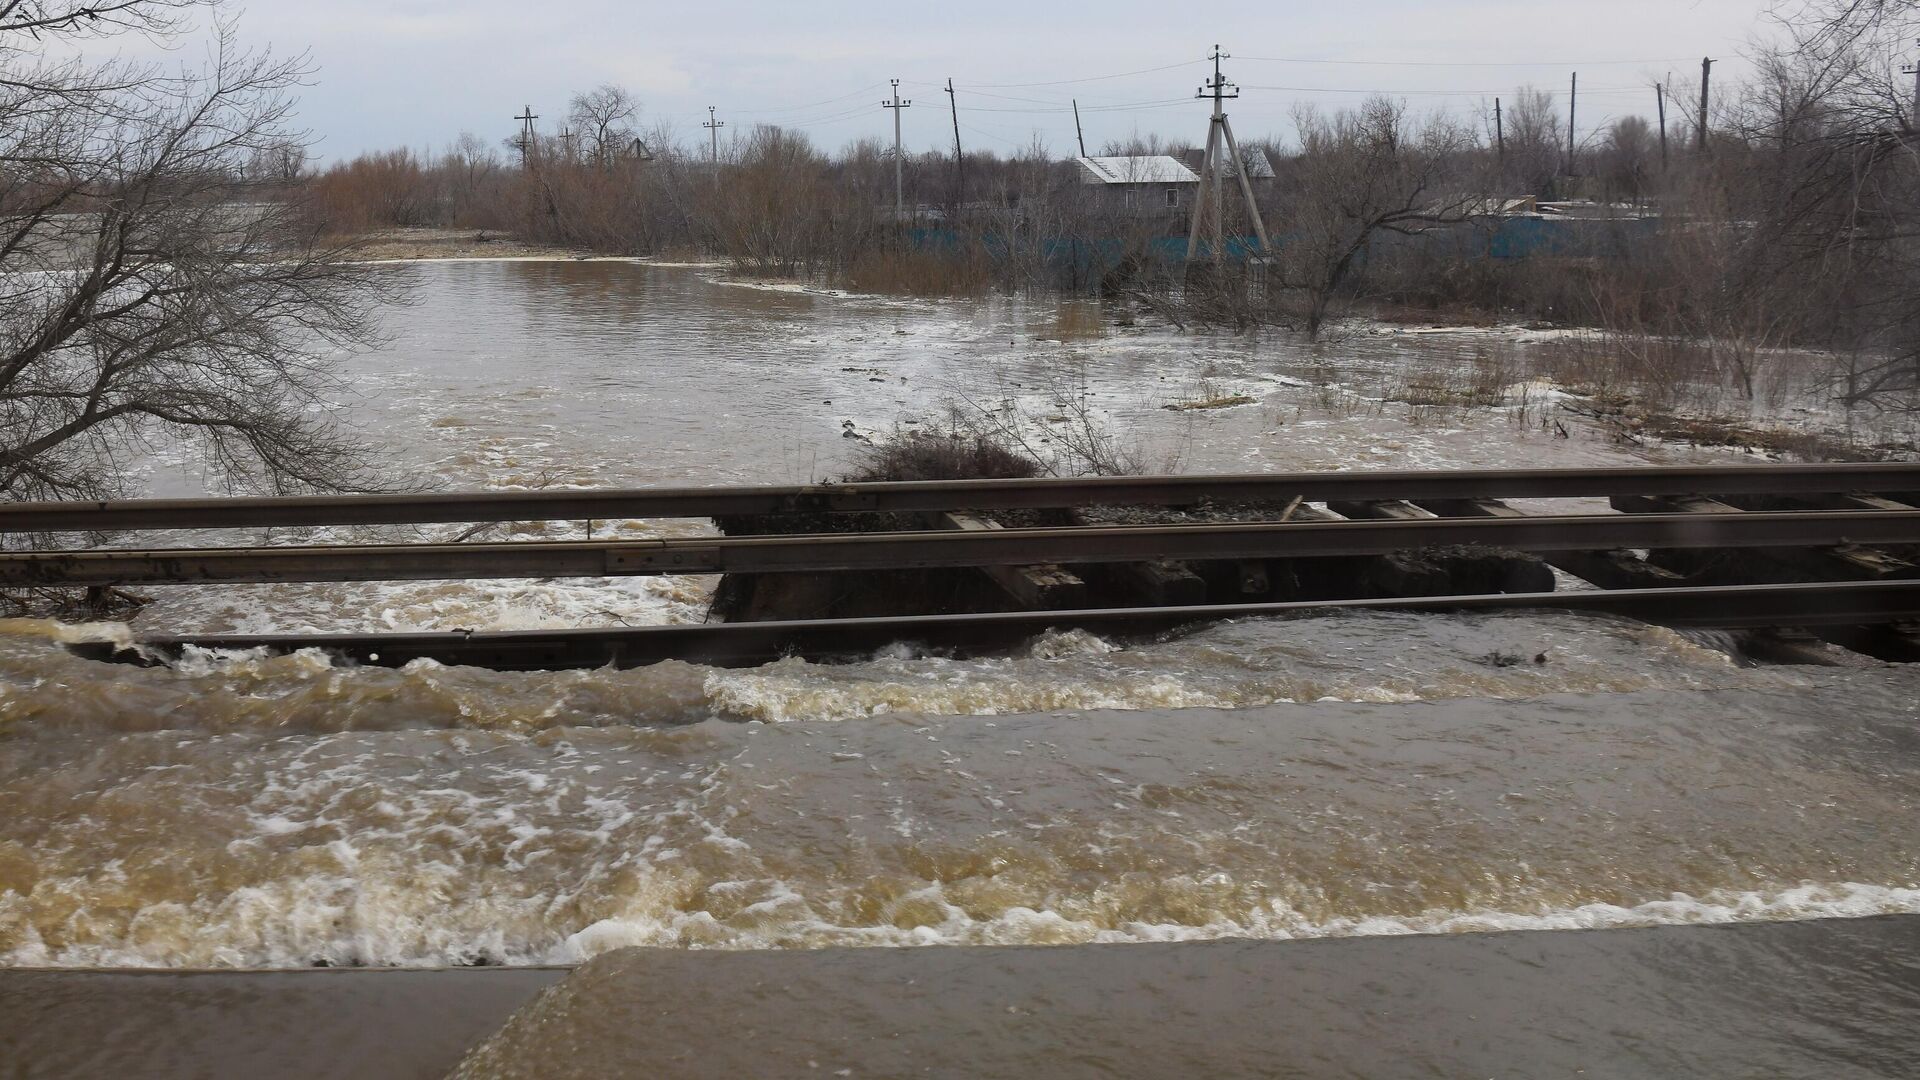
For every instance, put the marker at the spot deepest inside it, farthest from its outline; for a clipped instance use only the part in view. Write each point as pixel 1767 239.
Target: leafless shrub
pixel 945 452
pixel 148 293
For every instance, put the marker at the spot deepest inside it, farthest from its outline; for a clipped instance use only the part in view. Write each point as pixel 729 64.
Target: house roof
pixel 1259 165
pixel 1145 169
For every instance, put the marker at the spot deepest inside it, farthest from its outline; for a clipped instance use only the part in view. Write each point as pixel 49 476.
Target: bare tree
pixel 604 117
pixel 1362 174
pixel 142 298
pixel 1536 144
pixel 39 19
pixel 281 163
pixel 1627 157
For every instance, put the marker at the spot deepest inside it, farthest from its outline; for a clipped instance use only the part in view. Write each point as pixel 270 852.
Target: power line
pixel 1466 63
pixel 1442 93
pixel 829 118
pixel 990 135
pixel 1094 78
pixel 861 92
pixel 1067 107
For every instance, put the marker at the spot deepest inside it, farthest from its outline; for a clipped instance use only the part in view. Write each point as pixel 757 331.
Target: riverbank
pixel 422 244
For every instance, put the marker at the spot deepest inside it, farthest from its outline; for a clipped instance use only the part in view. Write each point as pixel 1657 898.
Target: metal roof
pixel 1146 169
pixel 1259 166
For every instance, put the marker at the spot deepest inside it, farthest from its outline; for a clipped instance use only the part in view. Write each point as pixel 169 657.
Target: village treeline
pixel 1788 222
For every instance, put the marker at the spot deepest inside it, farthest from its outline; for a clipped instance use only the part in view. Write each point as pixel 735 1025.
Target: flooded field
pixel 542 374
pixel 1325 777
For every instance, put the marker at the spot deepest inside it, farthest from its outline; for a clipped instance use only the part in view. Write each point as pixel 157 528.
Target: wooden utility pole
pixel 1706 82
pixel 1660 99
pixel 959 160
pixel 1499 132
pixel 1573 106
pixel 899 190
pixel 1077 133
pixel 1221 149
pixel 526 119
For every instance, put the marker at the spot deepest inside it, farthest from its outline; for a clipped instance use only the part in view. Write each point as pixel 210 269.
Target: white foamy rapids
pixel 344 919
pixel 1368 658
pixel 948 924
pixel 1376 657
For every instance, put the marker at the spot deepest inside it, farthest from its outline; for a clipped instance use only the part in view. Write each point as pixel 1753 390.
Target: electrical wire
pixel 867 89
pixel 1465 63
pixel 1444 93
pixel 1121 107
pixel 1092 78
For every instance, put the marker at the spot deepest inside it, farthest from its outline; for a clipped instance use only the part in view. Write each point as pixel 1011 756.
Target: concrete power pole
pixel 713 127
pixel 899 188
pixel 1078 134
pixel 1221 149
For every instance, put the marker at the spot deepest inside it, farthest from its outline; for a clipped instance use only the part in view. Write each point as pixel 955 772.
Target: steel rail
pixel 921 496
pixel 928 550
pixel 1727 607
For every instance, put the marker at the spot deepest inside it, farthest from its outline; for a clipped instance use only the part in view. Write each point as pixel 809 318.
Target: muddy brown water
pixel 1351 777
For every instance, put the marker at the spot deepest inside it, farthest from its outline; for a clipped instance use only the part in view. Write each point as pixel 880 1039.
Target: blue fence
pixel 1487 238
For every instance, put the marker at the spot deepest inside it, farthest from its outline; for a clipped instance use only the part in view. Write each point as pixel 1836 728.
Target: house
pixel 1142 184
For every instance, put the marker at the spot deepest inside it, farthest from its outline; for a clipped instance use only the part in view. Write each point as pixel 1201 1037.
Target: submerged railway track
pixel 1824 547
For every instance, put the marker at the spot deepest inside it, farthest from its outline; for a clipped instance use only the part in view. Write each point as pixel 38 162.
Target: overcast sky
pixel 419 72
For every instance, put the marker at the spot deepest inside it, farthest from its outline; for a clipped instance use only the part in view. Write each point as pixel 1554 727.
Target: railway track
pixel 1825 548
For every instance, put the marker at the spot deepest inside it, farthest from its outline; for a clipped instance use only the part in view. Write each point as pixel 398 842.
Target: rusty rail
pixel 923 550
pixel 932 496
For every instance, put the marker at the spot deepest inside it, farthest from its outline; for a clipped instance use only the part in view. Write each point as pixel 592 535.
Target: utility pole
pixel 566 142
pixel 1499 132
pixel 713 126
pixel 1573 106
pixel 1221 144
pixel 959 159
pixel 526 119
pixel 1077 133
pixel 1706 81
pixel 1660 99
pixel 899 189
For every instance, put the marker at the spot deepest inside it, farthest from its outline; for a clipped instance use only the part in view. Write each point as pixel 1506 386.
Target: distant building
pixel 1143 184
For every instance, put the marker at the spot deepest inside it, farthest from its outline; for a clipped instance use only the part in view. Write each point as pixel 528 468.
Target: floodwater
pixel 1349 777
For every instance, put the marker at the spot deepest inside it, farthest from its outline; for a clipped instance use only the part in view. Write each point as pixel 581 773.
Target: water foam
pixel 335 919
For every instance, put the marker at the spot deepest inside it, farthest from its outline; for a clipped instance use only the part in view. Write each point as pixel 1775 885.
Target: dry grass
pixel 424 243
pixel 918 273
pixel 1226 401
pixel 1484 382
pixel 1073 320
